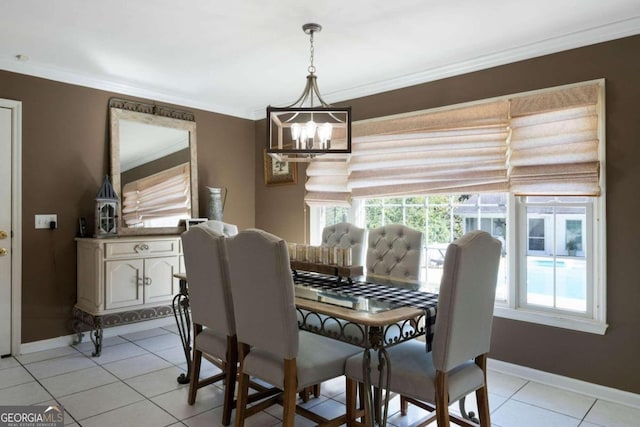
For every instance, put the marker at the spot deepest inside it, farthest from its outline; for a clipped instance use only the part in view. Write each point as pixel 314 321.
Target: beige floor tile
pixel 135 366
pixel 613 415
pixel 46 354
pixel 14 376
pixel 139 414
pixel 59 365
pixel 30 393
pixel 565 402
pixel 157 382
pixel 73 382
pixel 99 400
pixel 518 414
pixel 175 402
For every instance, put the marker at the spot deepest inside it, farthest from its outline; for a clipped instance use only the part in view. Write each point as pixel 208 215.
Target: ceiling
pixel 237 56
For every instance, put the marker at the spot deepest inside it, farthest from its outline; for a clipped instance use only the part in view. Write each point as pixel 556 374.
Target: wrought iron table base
pixel 180 306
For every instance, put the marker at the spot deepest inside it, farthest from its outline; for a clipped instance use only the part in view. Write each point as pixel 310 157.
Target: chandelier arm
pixel 315 89
pixel 305 94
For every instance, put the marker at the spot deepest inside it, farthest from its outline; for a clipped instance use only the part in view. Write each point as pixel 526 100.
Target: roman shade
pixel 534 143
pixel 554 143
pixel 160 195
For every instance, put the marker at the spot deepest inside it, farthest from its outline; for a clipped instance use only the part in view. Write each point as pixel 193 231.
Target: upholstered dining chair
pixel 345 235
pixel 220 227
pixel 211 307
pixel 457 364
pixel 270 345
pixel 394 250
pixel 211 311
pixel 340 235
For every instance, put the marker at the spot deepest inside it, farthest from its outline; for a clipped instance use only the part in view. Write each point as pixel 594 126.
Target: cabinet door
pixel 123 283
pixel 159 284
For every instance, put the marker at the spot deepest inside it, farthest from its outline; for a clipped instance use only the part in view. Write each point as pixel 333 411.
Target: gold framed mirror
pixel 153 167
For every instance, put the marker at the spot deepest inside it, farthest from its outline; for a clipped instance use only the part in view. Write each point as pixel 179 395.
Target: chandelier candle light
pixel 304 132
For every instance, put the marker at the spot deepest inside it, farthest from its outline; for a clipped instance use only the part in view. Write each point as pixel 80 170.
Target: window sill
pixel 558 321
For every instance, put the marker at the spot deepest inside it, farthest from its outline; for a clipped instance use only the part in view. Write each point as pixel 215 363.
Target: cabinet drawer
pixel 141 248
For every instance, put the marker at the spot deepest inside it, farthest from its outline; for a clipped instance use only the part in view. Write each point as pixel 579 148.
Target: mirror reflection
pixel 153 171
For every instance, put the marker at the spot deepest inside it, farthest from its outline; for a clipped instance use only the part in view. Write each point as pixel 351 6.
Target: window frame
pixel 595 246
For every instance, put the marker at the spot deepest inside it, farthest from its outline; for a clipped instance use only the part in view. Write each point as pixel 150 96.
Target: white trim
pixel 16 222
pixel 593 390
pixel 551 319
pixel 67 340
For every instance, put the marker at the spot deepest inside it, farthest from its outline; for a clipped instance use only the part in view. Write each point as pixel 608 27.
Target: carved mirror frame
pixel 154 115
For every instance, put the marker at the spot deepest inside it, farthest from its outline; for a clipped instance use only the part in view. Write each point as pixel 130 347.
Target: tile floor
pixel 134 383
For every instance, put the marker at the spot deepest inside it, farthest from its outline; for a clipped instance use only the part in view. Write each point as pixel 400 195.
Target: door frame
pixel 16 222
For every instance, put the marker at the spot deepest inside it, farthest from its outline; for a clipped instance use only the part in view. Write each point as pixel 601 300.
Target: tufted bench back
pixel 345 235
pixel 394 250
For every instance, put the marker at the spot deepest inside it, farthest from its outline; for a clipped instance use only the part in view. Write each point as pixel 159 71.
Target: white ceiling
pixel 238 56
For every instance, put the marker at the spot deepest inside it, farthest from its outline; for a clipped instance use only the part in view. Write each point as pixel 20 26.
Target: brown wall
pixel 607 359
pixel 65 155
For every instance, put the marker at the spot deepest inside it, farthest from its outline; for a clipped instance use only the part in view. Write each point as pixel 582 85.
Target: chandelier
pixel 309 129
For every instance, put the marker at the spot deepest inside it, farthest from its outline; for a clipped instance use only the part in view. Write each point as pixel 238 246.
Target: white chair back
pixel 205 260
pixel 263 293
pixel 345 235
pixel 220 227
pixel 466 299
pixel 394 250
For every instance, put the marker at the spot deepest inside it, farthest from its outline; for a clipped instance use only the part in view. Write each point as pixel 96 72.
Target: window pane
pixel 439 224
pixel 416 200
pixel 373 217
pixel 393 215
pixel 416 218
pixel 556 275
pixel 334 215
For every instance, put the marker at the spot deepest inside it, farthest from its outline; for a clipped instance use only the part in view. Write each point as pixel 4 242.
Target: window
pixel 527 168
pixel 536 234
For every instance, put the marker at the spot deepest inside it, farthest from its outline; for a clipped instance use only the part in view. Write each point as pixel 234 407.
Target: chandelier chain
pixel 312 67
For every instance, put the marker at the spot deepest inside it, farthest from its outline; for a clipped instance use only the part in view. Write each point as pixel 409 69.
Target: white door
pixel 5 231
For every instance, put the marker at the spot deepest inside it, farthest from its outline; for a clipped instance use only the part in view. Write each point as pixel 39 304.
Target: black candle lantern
pixel 106 210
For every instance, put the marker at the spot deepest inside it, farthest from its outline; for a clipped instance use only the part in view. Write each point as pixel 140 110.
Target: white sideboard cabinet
pixel 125 279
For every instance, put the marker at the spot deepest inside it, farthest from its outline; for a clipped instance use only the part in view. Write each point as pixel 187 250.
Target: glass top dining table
pixel 373 312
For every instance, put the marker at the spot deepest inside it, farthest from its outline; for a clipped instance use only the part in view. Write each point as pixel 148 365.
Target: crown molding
pixel 603 33
pixel 80 79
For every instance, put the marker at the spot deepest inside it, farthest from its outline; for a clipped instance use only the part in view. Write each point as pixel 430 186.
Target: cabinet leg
pixel 96 338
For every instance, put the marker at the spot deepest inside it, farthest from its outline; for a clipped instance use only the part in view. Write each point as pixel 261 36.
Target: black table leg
pixel 183 321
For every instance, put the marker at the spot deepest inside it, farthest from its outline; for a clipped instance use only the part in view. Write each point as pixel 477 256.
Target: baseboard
pixel 566 383
pixel 63 341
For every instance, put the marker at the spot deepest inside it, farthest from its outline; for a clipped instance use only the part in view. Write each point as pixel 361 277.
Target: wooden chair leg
pixel 289 395
pixel 231 371
pixel 404 406
pixel 195 366
pixel 243 388
pixel 195 376
pixel 305 394
pixel 351 387
pixel 482 394
pixel 316 390
pixel 442 399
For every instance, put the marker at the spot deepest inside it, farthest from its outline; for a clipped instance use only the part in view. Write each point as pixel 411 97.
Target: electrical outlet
pixel 44 221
